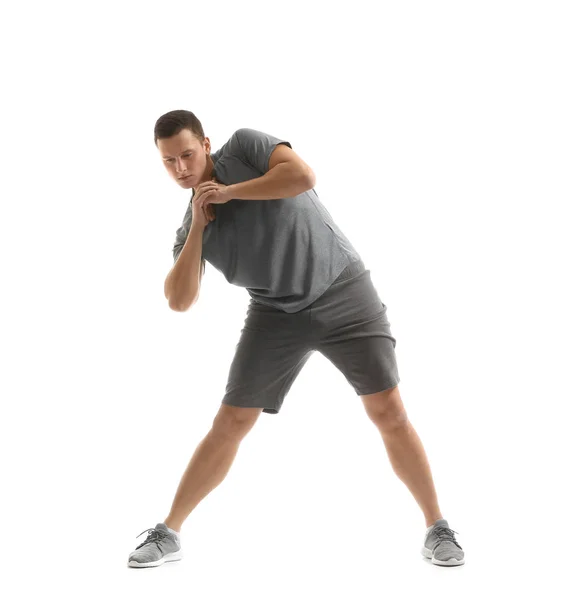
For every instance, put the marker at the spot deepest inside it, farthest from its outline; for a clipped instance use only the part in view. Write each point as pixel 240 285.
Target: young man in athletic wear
pixel 255 217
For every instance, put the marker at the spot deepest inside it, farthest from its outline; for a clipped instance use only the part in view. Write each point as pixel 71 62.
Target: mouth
pixel 183 178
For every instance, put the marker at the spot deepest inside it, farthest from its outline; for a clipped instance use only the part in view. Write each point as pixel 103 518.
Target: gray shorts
pixel 347 324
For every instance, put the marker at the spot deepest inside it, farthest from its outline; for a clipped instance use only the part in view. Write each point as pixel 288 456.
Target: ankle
pixel 172 525
pixel 431 520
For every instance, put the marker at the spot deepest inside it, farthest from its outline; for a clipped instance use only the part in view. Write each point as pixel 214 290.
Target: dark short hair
pixel 175 121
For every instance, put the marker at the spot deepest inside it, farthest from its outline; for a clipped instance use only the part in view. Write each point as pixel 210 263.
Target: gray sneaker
pixel 159 547
pixel 441 546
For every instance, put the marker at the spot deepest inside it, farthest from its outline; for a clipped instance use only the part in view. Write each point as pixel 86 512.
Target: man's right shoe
pixel 160 546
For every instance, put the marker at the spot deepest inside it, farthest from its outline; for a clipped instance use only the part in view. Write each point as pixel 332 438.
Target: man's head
pixel 184 149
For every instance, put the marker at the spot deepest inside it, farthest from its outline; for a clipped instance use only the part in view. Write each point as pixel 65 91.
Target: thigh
pixel 272 350
pixel 354 334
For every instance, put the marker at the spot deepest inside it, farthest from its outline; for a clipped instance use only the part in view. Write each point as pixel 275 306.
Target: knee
pixel 235 421
pixel 393 418
pixel 386 409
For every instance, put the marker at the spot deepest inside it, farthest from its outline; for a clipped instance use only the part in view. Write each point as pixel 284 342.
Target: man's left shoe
pixel 441 546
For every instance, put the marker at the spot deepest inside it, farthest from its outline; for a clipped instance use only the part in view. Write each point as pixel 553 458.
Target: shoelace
pixel 444 534
pixel 155 536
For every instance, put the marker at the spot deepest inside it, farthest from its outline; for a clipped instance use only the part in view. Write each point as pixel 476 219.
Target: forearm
pixel 282 181
pixel 183 282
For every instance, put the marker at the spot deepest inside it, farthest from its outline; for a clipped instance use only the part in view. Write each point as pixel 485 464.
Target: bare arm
pixel 285 180
pixel 183 282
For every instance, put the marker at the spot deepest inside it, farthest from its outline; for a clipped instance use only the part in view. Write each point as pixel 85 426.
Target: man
pixel 255 217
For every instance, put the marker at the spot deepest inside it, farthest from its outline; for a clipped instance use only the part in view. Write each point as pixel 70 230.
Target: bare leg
pixel 410 464
pixel 211 461
pixel 405 450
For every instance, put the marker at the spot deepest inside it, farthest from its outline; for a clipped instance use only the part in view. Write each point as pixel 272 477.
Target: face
pixel 187 160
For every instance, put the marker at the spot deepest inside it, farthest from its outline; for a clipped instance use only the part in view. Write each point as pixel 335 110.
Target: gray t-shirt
pixel 285 252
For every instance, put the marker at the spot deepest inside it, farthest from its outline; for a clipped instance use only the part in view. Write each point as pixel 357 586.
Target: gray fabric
pixel 160 543
pixel 347 324
pixel 440 541
pixel 285 252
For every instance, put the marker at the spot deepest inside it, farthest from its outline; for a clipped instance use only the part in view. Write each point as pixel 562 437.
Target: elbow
pixel 310 180
pixel 178 307
pixel 181 305
pixel 177 303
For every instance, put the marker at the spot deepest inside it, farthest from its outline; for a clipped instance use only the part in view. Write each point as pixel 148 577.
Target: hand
pixel 202 216
pixel 211 192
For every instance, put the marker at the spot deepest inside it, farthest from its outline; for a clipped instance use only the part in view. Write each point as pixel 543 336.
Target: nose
pixel 181 165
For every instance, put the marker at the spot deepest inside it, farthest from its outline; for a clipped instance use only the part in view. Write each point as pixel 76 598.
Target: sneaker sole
pixel 171 557
pixel 452 562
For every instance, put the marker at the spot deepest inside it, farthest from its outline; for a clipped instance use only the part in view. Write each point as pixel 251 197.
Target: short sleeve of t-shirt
pixel 255 147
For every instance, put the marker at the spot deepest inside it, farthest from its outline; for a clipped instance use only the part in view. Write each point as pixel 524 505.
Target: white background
pixel 440 134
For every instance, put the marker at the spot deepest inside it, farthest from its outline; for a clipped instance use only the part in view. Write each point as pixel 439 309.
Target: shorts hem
pixel 267 409
pixel 382 388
